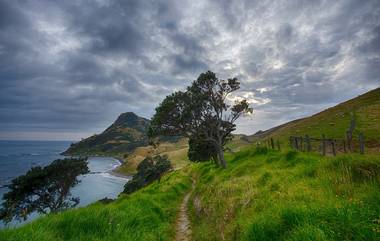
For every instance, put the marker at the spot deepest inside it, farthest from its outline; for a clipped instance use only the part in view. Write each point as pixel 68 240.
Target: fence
pixel 327 145
pixel 323 145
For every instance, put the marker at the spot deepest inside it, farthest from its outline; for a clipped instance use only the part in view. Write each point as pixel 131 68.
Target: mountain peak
pixel 126 117
pixel 128 114
pixel 129 119
pixel 125 134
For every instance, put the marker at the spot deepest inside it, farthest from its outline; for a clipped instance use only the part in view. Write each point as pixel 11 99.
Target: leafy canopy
pixel 43 189
pixel 201 113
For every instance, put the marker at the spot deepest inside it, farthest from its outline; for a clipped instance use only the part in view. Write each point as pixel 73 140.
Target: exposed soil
pixel 183 225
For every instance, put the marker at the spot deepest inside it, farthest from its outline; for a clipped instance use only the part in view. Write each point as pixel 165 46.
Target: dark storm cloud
pixel 73 66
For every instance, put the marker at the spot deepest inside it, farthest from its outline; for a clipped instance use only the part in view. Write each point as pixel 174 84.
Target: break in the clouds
pixel 68 68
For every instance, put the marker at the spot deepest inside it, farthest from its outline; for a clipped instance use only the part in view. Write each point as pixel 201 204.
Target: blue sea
pixel 17 157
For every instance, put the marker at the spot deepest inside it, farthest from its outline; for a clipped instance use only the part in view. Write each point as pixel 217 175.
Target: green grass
pixel 268 195
pixel 262 195
pixel 148 214
pixel 335 121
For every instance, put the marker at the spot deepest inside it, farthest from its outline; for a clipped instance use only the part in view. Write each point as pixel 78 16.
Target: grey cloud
pixel 74 66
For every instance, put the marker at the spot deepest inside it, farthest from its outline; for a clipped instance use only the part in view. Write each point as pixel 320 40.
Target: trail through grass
pixel 148 214
pixel 262 195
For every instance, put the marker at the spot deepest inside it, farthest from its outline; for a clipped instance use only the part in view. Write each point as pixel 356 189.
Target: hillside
pixel 126 140
pixel 262 195
pixel 176 151
pixel 124 135
pixel 145 215
pixel 335 121
pixel 271 195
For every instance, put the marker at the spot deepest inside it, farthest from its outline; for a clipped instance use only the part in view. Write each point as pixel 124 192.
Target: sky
pixel 69 68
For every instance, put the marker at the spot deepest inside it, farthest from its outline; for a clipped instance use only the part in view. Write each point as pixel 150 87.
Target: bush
pixel 149 170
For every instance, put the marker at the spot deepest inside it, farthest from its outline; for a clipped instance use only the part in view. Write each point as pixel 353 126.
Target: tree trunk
pixel 222 161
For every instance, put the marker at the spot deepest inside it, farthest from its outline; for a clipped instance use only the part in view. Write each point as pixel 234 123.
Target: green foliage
pixel 200 150
pixel 147 214
pixel 149 170
pixel 271 195
pixel 43 189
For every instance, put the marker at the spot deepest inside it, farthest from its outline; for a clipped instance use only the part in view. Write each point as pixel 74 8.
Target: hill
pixel 262 195
pixel 126 140
pixel 126 134
pixel 335 121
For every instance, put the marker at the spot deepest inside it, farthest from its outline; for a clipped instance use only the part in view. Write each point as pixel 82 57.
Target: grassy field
pixel 262 195
pixel 148 214
pixel 176 151
pixel 335 121
pixel 269 195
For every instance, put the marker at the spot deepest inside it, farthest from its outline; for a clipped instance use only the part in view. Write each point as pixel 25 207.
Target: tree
pixel 149 170
pixel 43 189
pixel 201 113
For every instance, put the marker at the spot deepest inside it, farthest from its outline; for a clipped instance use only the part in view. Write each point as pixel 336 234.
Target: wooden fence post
pixel 278 145
pixel 361 142
pixel 344 146
pixel 308 145
pixel 272 143
pixel 296 140
pixel 323 145
pixel 333 147
pixel 349 138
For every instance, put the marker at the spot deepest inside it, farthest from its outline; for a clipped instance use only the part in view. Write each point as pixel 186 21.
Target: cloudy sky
pixel 69 68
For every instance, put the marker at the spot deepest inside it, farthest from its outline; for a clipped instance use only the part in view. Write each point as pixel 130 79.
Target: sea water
pixel 17 157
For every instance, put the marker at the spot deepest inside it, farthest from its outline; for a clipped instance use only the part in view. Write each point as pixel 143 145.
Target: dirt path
pixel 183 226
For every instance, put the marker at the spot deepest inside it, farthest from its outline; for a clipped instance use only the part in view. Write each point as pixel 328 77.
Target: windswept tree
pixel 43 189
pixel 201 113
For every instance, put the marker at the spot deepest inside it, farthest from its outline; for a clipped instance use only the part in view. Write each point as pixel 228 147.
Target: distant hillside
pixel 124 135
pixel 335 121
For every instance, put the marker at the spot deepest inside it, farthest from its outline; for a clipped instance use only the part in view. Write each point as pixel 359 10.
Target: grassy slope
pixel 124 135
pixel 148 214
pixel 334 121
pixel 176 151
pixel 288 196
pixel 262 195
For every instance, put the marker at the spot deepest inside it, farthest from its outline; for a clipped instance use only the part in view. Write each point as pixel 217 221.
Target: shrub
pixel 149 170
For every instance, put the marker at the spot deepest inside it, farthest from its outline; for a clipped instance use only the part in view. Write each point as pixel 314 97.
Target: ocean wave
pixel 31 154
pixel 111 176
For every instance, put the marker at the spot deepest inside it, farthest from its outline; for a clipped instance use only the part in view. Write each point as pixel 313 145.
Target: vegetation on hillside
pixel 335 121
pixel 124 135
pixel 176 152
pixel 202 114
pixel 148 170
pixel 270 195
pixel 43 189
pixel 148 214
pixel 262 195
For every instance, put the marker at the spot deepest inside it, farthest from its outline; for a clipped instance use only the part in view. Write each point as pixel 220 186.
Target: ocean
pixel 17 157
